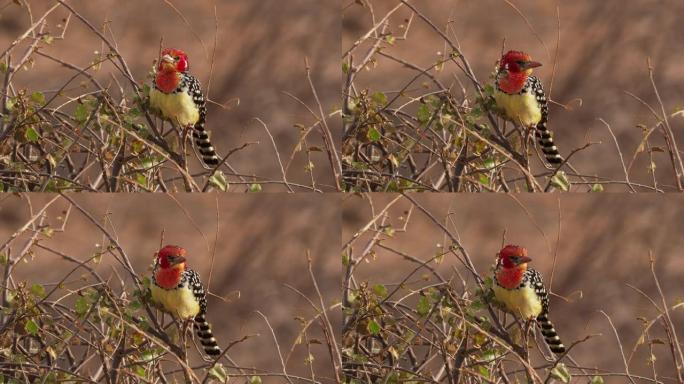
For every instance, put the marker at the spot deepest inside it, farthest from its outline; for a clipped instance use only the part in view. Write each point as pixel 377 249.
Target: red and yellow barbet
pixel 521 291
pixel 521 98
pixel 177 96
pixel 179 291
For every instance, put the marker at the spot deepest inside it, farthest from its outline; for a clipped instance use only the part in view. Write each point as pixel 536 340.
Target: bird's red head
pixel 516 61
pixel 514 69
pixel 171 256
pixel 513 256
pixel 173 60
pixel 511 266
pixel 171 262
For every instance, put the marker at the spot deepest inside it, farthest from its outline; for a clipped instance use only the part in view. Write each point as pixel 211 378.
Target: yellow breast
pixel 179 302
pixel 522 109
pixel 521 302
pixel 178 107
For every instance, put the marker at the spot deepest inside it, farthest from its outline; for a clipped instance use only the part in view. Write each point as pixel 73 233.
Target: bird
pixel 521 291
pixel 520 96
pixel 178 290
pixel 177 96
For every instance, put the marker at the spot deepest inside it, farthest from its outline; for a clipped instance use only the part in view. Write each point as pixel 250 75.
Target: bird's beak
pixel 175 260
pixel 167 59
pixel 532 64
pixel 523 260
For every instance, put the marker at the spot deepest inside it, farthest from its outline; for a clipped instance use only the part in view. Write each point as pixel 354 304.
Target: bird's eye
pixel 520 62
pixel 176 58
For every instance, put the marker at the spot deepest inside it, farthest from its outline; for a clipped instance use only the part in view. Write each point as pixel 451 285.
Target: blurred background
pixel 602 54
pixel 260 242
pixel 601 243
pixel 260 53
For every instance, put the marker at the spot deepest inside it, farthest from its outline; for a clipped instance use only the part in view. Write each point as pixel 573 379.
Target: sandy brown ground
pixel 261 244
pixel 603 245
pixel 602 55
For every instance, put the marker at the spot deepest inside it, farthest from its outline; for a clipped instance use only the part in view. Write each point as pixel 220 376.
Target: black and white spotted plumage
pixel 529 106
pixel 533 280
pixel 189 85
pixel 190 280
pixel 201 325
pixel 542 133
pixel 206 149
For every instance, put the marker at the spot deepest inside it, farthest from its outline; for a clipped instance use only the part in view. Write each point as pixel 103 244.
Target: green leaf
pixel 147 162
pixel 138 147
pixel 11 295
pixel 373 327
pixel 218 372
pixel 476 112
pixel 380 290
pixel 47 232
pixel 97 257
pixel 134 112
pixel 373 134
pixel 255 380
pixel 31 327
pixel 32 135
pixel 345 67
pixel 345 259
pixel 389 231
pixel 141 179
pixel 423 113
pixel 488 281
pixel 597 188
pixel 140 371
pixel 256 187
pixel 476 305
pixel 147 356
pixel 379 98
pixel 38 290
pixel 596 380
pixel 309 359
pixel 561 373
pixel 38 98
pixel 423 307
pixel 560 181
pixel 51 159
pixel 351 296
pixel 134 305
pixel 81 113
pixel 219 181
pixel 81 306
pixel 488 356
pixel 52 377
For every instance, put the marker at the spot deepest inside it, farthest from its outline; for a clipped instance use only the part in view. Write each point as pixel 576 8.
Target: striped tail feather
pixel 542 132
pixel 205 335
pixel 546 140
pixel 549 333
pixel 206 150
